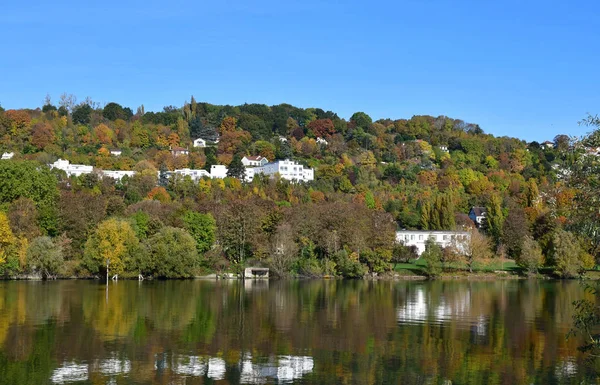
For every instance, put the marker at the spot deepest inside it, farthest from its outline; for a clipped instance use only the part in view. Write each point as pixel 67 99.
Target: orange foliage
pixel 159 194
pixel 317 196
pixel 228 124
pixel 103 134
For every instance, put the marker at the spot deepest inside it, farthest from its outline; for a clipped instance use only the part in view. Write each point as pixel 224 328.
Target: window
pixel 412 237
pixel 420 237
pixel 406 237
pixel 445 238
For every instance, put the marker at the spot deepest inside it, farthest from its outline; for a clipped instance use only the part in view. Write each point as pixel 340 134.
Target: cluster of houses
pixel 254 165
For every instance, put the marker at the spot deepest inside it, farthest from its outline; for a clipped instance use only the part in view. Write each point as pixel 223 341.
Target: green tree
pixel 202 228
pixel 494 218
pixel 45 257
pixel 569 258
pixel 113 111
pixel 433 256
pixel 82 114
pixel 236 168
pixel 172 253
pixel 531 258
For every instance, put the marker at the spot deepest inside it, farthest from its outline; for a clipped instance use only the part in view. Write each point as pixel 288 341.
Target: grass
pixel 418 266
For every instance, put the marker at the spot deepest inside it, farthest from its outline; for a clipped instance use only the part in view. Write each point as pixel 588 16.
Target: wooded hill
pixel 370 179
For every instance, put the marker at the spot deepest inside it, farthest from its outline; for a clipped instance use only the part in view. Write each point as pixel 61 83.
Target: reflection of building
pixel 442 238
pixel 69 372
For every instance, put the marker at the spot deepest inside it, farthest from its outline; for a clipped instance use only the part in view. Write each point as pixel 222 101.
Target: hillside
pixel 371 178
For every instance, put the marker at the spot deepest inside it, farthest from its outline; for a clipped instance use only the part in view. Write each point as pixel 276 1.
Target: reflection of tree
pixel 466 332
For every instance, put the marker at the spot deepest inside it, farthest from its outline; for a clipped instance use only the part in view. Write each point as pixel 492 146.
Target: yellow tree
pixel 113 248
pixel 7 240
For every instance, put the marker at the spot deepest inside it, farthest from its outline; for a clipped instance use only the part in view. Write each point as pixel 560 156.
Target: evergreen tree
pixel 163 177
pixel 236 168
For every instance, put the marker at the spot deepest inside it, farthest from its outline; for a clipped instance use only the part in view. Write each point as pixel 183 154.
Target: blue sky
pixel 523 68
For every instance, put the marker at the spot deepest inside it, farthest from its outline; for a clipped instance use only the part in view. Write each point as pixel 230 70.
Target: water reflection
pixel 310 332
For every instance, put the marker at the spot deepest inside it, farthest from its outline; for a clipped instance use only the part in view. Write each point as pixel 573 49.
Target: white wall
pixel 442 238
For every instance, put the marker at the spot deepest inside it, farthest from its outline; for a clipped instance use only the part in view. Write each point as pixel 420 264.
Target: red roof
pixel 179 149
pixel 258 157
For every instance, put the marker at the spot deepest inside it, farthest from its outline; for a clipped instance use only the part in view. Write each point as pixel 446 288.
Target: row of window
pixel 435 237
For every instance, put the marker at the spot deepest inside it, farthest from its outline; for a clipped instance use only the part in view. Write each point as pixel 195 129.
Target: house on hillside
pixel 548 145
pixel 477 215
pixel 8 155
pixel 288 170
pixel 322 142
pixel 177 151
pixel 196 175
pixel 116 174
pixel 72 169
pixel 458 239
pixel 115 152
pixel 201 143
pixel 254 161
pixel 218 171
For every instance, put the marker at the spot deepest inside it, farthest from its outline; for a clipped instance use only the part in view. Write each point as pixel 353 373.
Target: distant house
pixel 177 151
pixel 444 239
pixel 254 161
pixel 196 175
pixel 115 152
pixel 200 143
pixel 288 170
pixel 117 175
pixel 282 139
pixel 548 145
pixel 322 142
pixel 477 215
pixel 8 155
pixel 443 148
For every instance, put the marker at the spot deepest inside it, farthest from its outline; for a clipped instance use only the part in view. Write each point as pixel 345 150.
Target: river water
pixel 307 332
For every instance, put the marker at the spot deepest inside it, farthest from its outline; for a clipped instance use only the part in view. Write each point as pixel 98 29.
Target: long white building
pixel 72 169
pixel 442 238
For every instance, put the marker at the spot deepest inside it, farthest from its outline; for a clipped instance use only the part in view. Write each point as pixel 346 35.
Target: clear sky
pixel 526 68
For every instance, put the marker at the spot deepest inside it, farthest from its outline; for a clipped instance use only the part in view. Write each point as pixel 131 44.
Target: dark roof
pixel 478 211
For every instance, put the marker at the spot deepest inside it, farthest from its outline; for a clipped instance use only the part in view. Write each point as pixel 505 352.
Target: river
pixel 307 332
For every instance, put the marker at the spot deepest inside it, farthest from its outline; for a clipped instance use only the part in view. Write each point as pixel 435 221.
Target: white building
pixel 250 174
pixel 218 171
pixel 72 169
pixel 254 161
pixel 200 143
pixel 196 175
pixel 115 152
pixel 282 139
pixel 118 175
pixel 442 238
pixel 322 142
pixel 288 170
pixel 477 215
pixel 8 155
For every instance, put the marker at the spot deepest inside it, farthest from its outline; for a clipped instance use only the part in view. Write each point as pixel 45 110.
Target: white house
pixel 196 175
pixel 282 139
pixel 442 238
pixel 72 169
pixel 177 151
pixel 254 161
pixel 8 155
pixel 477 215
pixel 200 143
pixel 322 142
pixel 218 171
pixel 443 148
pixel 115 152
pixel 118 175
pixel 288 170
pixel 548 145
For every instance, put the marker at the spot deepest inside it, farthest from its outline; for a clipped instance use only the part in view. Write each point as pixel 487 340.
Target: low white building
pixel 8 155
pixel 254 161
pixel 115 152
pixel 442 238
pixel 178 151
pixel 282 139
pixel 200 143
pixel 218 171
pixel 322 142
pixel 72 169
pixel 288 170
pixel 196 175
pixel 116 174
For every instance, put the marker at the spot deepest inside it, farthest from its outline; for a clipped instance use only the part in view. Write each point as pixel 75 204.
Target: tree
pixel 403 254
pixel 113 111
pixel 8 244
pixel 476 247
pixel 112 248
pixel 531 258
pixel 82 114
pixel 202 228
pixel 514 230
pixel 322 128
pixel 569 258
pixel 284 250
pixel 362 120
pixel 494 218
pixel 45 256
pixel 433 256
pixel 172 253
pixel 236 168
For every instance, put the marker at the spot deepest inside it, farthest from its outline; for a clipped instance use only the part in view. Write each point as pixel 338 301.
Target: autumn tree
pixel 569 258
pixel 531 258
pixel 113 248
pixel 45 257
pixel 433 257
pixel 172 253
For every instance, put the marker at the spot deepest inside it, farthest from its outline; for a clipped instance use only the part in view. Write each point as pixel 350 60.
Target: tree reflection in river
pixel 325 332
